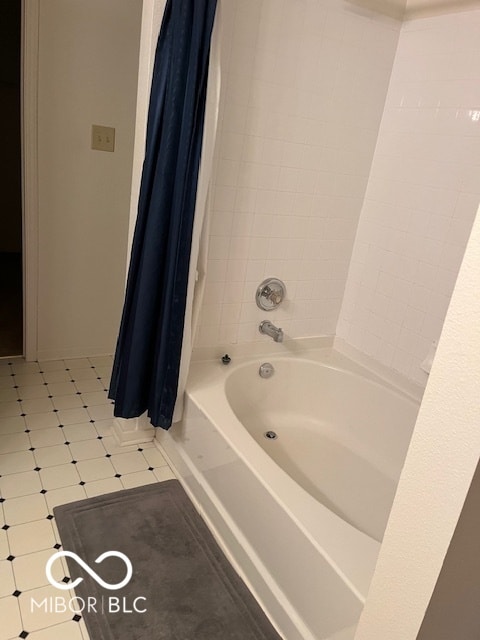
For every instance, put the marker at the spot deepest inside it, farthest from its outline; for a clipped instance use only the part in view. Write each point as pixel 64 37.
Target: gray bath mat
pixel 180 575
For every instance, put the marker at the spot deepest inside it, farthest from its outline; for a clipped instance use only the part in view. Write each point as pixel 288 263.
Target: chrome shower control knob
pixel 266 370
pixel 270 294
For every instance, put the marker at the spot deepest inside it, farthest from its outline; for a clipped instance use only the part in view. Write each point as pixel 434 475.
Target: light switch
pixel 103 138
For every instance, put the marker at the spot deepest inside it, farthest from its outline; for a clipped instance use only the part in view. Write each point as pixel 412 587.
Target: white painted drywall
pixel 425 8
pixel 152 14
pixel 439 468
pixel 88 68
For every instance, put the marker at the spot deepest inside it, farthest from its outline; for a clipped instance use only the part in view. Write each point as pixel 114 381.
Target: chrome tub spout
pixel 271 330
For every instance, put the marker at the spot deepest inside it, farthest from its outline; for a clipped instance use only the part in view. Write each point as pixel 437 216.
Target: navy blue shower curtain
pixel 147 358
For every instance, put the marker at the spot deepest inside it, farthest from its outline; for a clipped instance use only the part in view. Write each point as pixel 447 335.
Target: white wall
pixel 152 14
pixel 304 85
pixel 88 67
pixel 439 468
pixel 425 8
pixel 422 195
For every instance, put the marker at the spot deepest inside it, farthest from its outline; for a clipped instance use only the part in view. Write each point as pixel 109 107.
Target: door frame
pixel 29 151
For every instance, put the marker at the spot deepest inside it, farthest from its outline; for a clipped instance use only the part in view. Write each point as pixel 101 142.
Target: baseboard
pixel 64 353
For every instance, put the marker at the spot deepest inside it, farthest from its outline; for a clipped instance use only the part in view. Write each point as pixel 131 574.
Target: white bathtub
pixel 301 516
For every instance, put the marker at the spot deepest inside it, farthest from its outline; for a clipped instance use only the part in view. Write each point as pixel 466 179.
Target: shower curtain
pixel 157 326
pixel 201 227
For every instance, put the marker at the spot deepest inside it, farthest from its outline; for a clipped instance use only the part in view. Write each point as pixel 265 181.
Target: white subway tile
pixel 217 270
pixel 245 200
pixel 301 125
pixel 221 223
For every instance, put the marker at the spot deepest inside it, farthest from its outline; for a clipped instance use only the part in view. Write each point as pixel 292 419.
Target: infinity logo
pixel 95 576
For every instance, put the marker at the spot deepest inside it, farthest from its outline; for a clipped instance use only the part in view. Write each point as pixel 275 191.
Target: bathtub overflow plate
pixel 270 435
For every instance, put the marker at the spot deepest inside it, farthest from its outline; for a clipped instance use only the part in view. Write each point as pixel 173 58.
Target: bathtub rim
pixel 237 548
pixel 206 390
pixel 361 362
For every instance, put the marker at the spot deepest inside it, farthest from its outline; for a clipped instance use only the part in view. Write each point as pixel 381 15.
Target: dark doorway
pixel 11 291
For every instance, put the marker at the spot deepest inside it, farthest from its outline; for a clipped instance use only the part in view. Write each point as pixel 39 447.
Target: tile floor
pixel 56 446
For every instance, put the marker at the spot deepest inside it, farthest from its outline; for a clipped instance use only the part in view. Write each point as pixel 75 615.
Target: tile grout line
pixel 99 432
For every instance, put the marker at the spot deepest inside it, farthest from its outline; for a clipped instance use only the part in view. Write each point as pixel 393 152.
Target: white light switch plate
pixel 103 138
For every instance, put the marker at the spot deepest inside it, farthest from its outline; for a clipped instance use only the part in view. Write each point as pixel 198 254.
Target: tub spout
pixel 271 330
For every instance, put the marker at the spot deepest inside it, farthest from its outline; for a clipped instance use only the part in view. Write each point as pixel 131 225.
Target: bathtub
pixel 295 475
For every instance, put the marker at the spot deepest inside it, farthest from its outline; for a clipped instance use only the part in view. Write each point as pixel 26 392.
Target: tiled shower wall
pixel 304 86
pixel 422 195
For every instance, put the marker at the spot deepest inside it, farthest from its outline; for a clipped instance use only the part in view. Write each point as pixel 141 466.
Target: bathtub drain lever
pixel 266 370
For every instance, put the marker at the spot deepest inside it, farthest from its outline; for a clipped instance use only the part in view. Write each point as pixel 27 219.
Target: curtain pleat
pixel 147 357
